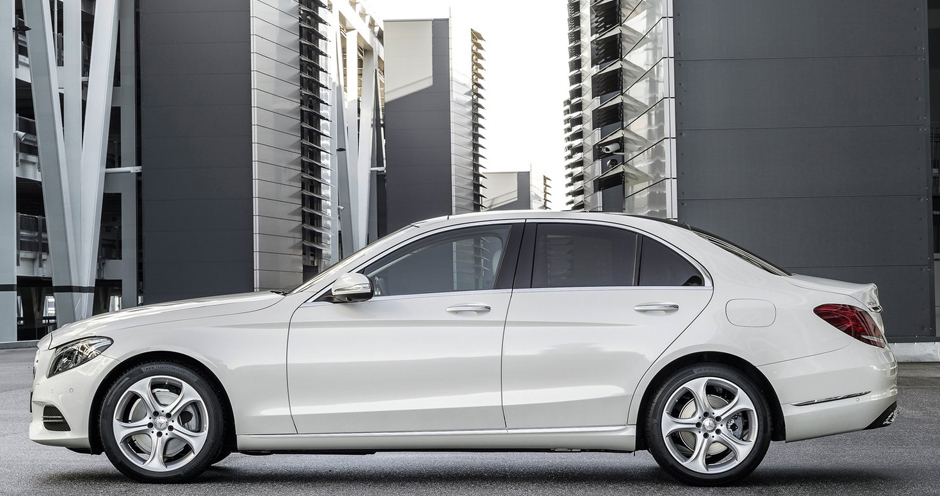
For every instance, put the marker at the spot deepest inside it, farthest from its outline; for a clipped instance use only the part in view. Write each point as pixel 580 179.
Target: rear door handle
pixel 656 307
pixel 469 307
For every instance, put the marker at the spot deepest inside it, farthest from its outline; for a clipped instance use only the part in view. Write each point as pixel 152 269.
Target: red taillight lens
pixel 853 321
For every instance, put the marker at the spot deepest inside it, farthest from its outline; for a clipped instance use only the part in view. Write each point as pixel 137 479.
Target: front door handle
pixel 469 307
pixel 656 307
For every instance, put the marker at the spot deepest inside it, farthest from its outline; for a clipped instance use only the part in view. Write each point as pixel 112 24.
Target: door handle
pixel 656 307
pixel 469 307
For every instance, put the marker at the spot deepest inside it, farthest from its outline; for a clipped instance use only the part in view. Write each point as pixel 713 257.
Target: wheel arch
pixel 778 424
pixel 94 435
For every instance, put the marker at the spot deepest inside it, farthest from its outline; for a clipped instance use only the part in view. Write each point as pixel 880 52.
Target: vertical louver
pixel 477 60
pixel 314 134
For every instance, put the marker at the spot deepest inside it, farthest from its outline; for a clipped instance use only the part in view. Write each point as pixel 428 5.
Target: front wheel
pixel 708 425
pixel 161 422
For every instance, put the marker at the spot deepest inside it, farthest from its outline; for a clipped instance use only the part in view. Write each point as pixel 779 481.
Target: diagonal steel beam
pixel 95 144
pixel 55 174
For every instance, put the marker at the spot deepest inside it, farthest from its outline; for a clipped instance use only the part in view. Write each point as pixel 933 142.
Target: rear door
pixel 593 306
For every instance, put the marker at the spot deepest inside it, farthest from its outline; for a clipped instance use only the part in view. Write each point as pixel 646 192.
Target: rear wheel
pixel 708 425
pixel 161 422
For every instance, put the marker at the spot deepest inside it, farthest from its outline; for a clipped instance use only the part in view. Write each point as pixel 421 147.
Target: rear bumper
pixel 846 390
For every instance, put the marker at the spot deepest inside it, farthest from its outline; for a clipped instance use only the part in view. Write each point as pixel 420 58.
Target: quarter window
pixel 461 260
pixel 583 255
pixel 661 266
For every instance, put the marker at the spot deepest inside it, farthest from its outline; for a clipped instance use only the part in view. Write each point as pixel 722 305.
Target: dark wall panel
pixel 802 134
pixel 418 144
pixel 195 125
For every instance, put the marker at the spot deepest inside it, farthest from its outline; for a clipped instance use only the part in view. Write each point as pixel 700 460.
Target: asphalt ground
pixel 901 459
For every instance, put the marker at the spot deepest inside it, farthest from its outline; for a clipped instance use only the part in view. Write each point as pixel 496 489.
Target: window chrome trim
pixel 612 288
pixel 707 283
pixel 472 292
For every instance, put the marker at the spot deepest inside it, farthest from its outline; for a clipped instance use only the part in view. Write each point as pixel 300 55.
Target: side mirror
pixel 352 287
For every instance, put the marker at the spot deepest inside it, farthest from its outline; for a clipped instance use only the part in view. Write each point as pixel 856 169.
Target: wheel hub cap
pixel 710 425
pixel 161 422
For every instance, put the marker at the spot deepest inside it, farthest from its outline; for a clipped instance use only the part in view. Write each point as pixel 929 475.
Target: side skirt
pixel 609 438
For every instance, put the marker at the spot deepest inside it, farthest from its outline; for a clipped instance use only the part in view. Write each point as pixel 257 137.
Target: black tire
pixel 222 455
pixel 656 441
pixel 206 456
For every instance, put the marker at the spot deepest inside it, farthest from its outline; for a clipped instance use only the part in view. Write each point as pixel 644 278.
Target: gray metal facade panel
pixel 800 92
pixel 799 162
pixel 802 135
pixel 418 144
pixel 798 28
pixel 195 127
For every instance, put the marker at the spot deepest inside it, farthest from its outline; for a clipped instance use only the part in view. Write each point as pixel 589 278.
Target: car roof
pixel 621 218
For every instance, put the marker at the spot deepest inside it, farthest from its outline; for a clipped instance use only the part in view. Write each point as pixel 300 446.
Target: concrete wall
pixel 803 135
pixel 196 139
pixel 418 123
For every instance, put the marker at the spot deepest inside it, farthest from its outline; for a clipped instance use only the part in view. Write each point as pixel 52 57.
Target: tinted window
pixel 573 255
pixel 461 260
pixel 661 266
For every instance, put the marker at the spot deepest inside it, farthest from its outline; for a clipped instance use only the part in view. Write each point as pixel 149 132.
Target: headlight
pixel 73 354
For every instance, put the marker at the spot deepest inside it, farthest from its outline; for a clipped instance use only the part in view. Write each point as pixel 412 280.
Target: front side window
pixel 583 255
pixel 461 260
pixel 662 266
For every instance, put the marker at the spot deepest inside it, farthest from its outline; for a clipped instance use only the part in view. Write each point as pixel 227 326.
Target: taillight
pixel 853 321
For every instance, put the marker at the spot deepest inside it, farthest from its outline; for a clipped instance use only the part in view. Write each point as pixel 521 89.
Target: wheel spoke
pixel 741 403
pixel 124 430
pixel 187 396
pixel 696 462
pixel 697 388
pixel 155 461
pixel 142 389
pixel 739 447
pixel 671 425
pixel 195 440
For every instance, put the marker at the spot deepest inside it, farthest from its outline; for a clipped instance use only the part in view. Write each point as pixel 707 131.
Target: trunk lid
pixel 866 294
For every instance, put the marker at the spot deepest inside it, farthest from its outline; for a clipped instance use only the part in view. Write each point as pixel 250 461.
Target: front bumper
pixel 845 390
pixel 70 392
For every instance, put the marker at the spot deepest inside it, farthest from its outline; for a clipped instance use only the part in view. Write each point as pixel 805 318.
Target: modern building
pixel 800 130
pixel 517 190
pixel 260 129
pixel 252 130
pixel 433 119
pixel 68 113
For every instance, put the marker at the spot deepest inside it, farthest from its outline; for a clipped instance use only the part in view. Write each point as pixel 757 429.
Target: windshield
pixel 370 250
pixel 742 253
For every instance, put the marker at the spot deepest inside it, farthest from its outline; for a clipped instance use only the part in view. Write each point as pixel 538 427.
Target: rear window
pixel 743 254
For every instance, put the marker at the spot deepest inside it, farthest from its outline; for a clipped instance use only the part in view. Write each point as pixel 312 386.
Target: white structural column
pixel 340 163
pixel 8 228
pixel 366 159
pixel 71 83
pixel 95 144
pixel 352 133
pixel 55 175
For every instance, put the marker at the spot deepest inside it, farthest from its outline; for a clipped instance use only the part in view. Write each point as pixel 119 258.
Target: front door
pixel 423 354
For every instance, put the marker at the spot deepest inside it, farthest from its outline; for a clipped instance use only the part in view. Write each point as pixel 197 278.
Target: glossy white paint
pixel 397 364
pixel 748 312
pixel 542 369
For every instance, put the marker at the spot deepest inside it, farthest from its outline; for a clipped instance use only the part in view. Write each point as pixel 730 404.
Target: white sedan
pixel 552 331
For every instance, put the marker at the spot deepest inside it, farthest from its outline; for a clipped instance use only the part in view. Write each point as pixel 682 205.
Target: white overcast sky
pixel 526 77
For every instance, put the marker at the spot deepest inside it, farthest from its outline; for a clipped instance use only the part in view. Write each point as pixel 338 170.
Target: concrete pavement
pixel 901 459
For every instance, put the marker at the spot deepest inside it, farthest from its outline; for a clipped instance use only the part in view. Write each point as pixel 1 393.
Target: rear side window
pixel 583 255
pixel 662 266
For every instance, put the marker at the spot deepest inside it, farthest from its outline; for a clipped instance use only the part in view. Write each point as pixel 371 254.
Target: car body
pixel 558 340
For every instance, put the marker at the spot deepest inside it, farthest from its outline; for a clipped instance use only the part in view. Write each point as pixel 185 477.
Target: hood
pixel 212 306
pixel 866 294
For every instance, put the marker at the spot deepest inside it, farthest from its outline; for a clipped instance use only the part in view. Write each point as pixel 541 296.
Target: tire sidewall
pixel 203 460
pixel 657 445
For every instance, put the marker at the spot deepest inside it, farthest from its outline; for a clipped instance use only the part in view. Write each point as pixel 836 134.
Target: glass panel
pixel 462 260
pixel 573 256
pixel 661 266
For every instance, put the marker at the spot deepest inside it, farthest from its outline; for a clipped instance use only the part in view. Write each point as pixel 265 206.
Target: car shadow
pixel 807 481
